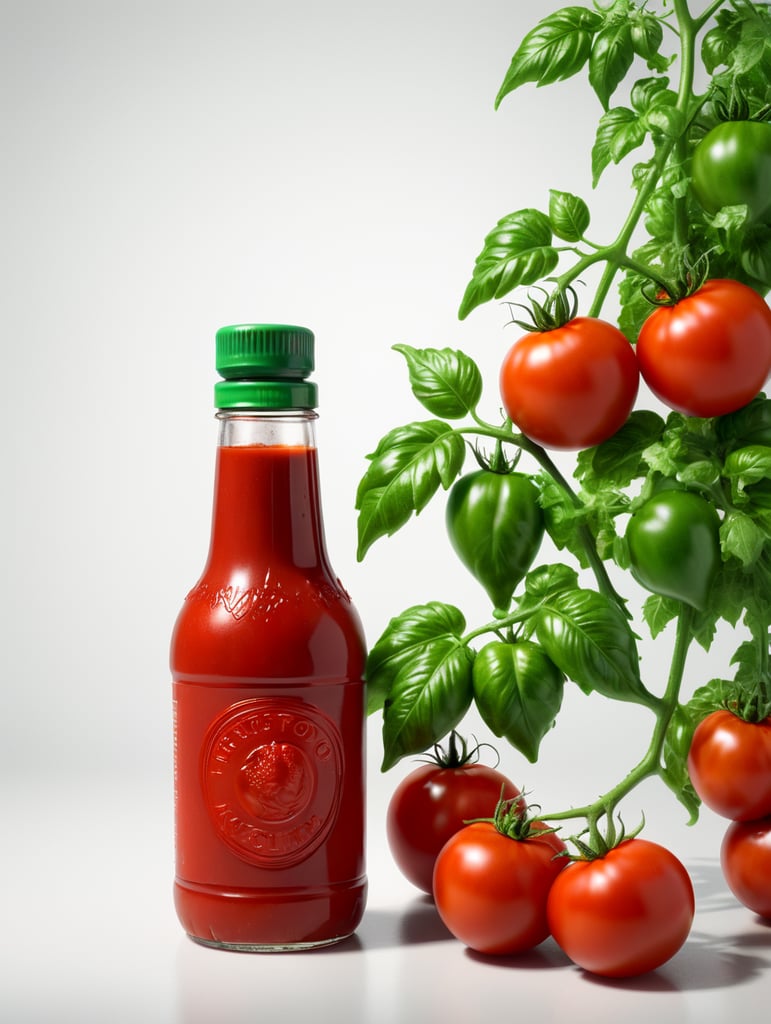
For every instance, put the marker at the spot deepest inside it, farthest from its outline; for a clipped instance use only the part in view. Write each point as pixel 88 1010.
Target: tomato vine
pixel 425 670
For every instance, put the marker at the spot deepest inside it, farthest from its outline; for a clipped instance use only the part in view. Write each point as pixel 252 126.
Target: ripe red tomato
pixel 431 804
pixel 491 890
pixel 729 764
pixel 709 353
pixel 745 857
pixel 625 913
pixel 571 387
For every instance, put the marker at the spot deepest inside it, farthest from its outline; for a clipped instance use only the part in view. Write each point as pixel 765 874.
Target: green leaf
pixel 561 518
pixel 611 58
pixel 447 382
pixel 403 637
pixel 618 461
pixel 588 637
pixel 741 537
pixel 658 612
pixel 748 658
pixel 747 426
pixel 556 49
pixel 518 692
pixel 747 466
pixel 428 698
pixel 569 215
pixel 406 469
pixel 647 35
pixel 674 765
pixel 517 251
pixel 635 308
pixel 548 581
pixel 650 93
pixel 619 132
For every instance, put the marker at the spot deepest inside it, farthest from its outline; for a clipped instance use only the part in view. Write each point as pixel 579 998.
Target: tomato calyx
pixel 514 819
pixel 752 707
pixel 497 462
pixel 692 275
pixel 458 753
pixel 557 309
pixel 735 106
pixel 600 844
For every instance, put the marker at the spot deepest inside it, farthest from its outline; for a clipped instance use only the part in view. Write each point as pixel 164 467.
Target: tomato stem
pixel 604 806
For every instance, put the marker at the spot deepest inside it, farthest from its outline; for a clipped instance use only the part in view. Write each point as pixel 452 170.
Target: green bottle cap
pixel 265 366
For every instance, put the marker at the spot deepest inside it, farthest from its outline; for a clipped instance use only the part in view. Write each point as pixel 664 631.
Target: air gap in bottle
pixel 267 660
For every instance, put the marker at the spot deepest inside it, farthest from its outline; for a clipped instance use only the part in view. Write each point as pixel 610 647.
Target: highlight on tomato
pixel 492 881
pixel 624 913
pixel 570 382
pixel 434 801
pixel 745 857
pixel 709 353
pixel 729 764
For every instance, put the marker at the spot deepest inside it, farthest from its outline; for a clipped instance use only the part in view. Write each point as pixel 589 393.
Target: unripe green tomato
pixel 674 546
pixel 496 526
pixel 732 166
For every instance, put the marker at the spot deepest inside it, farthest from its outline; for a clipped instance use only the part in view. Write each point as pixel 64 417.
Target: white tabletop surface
pixel 90 935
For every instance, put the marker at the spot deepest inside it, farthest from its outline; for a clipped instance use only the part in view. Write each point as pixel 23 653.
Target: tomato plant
pixel 492 881
pixel 433 802
pixel 732 166
pixel 624 913
pixel 729 764
pixel 572 386
pixel 745 857
pixel 710 353
pixel 676 501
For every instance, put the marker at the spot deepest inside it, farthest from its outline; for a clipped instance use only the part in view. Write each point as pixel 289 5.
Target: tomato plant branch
pixel 616 256
pixel 605 805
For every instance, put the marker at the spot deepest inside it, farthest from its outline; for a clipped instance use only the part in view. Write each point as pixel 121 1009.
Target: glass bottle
pixel 267 660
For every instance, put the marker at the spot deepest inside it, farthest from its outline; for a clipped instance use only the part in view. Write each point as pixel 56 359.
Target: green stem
pixel 616 255
pixel 605 805
pixel 704 17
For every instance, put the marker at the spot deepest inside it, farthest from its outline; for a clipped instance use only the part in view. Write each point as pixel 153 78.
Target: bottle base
pixel 270 921
pixel 276 947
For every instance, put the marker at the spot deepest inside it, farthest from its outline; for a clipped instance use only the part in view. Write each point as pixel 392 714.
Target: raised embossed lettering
pixel 272 771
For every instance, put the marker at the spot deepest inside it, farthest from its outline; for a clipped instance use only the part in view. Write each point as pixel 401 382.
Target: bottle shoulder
pixel 277 627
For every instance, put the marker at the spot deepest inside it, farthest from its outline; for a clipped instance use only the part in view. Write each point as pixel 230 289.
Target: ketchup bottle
pixel 267 660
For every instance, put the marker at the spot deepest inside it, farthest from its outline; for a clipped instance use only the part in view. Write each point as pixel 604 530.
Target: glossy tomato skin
pixel 430 805
pixel 623 914
pixel 732 166
pixel 572 387
pixel 710 353
pixel 674 545
pixel 745 857
pixel 491 890
pixel 495 524
pixel 729 763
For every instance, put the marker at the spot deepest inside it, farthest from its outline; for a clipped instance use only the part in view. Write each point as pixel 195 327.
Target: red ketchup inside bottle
pixel 267 662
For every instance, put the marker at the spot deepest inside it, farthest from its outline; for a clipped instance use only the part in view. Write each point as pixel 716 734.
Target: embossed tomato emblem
pixel 274 782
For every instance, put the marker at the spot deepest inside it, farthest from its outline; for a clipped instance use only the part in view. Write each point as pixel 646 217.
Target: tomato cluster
pixel 574 385
pixel 502 881
pixel 729 764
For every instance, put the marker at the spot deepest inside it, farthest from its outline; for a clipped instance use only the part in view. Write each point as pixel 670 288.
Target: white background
pixel 169 168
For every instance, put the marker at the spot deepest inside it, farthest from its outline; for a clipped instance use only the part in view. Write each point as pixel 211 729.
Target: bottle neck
pixel 280 428
pixel 267 505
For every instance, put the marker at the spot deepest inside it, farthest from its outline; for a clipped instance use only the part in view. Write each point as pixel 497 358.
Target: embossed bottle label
pixel 272 772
